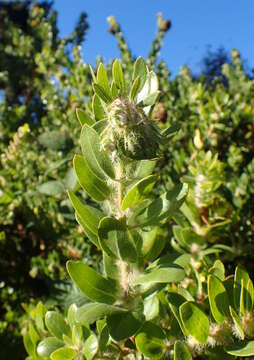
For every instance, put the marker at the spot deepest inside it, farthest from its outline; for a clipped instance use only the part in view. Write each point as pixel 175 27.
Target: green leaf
pixel 150 341
pixel 90 347
pixel 89 313
pixel 243 349
pixel 250 296
pixel 151 99
pixel 100 125
pixel 88 214
pixel 111 267
pixel 181 352
pixel 51 188
pixel 237 323
pixel 102 94
pixel 139 191
pixel 218 299
pixel 93 285
pixel 195 321
pixel 91 236
pixel 118 76
pixel 145 168
pixel 48 345
pixel 175 301
pixel 151 306
pixel 97 159
pixel 56 324
pixel 162 208
pixel 135 88
pixel 103 338
pixel 34 336
pixel 218 270
pixel 229 286
pixel 66 353
pixel 149 89
pixel 161 275
pixel 171 131
pixel 114 90
pixel 240 275
pixel 71 315
pixel 79 334
pixel 98 109
pixel 84 118
pixel 94 186
pixel 123 325
pixel 140 70
pixel 116 240
pixel 102 79
pixel 28 343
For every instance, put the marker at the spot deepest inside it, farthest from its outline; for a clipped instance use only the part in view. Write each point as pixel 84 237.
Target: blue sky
pixel 196 24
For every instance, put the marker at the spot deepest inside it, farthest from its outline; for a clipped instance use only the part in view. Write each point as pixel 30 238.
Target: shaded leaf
pixel 94 186
pixel 123 325
pixel 89 215
pixel 89 313
pixel 243 349
pixel 139 191
pixel 48 345
pixel 83 117
pixel 97 159
pixel 56 324
pixel 115 239
pixel 93 285
pixel 181 352
pixel 218 299
pixel 195 321
pixel 150 341
pixel 65 353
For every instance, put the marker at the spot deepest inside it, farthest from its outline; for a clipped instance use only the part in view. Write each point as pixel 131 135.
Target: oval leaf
pixel 84 118
pixel 150 341
pixel 96 158
pixel 89 215
pixel 139 191
pixel 140 70
pixel 90 347
pixel 89 313
pixel 122 326
pixel 93 285
pixel 115 240
pixel 94 186
pixel 98 109
pixel 218 299
pixel 103 95
pixel 56 324
pixel 195 321
pixel 102 79
pixel 162 275
pixel 48 345
pixel 118 76
pixel 244 349
pixel 66 353
pixel 162 208
pixel 181 352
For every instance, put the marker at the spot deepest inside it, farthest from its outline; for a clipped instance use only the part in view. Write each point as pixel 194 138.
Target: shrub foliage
pixel 162 190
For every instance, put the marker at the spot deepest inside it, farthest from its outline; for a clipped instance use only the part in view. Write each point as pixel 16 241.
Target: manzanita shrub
pixel 143 301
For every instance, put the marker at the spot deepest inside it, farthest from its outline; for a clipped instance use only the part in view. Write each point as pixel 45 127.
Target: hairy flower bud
pixel 132 134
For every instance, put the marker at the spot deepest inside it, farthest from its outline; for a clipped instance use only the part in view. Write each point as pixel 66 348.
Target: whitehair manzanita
pixel 139 306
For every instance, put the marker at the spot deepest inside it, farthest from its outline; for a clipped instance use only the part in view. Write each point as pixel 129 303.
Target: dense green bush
pixel 144 301
pixel 162 265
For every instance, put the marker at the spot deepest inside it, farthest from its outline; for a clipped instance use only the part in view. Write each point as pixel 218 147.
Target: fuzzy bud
pixel 132 134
